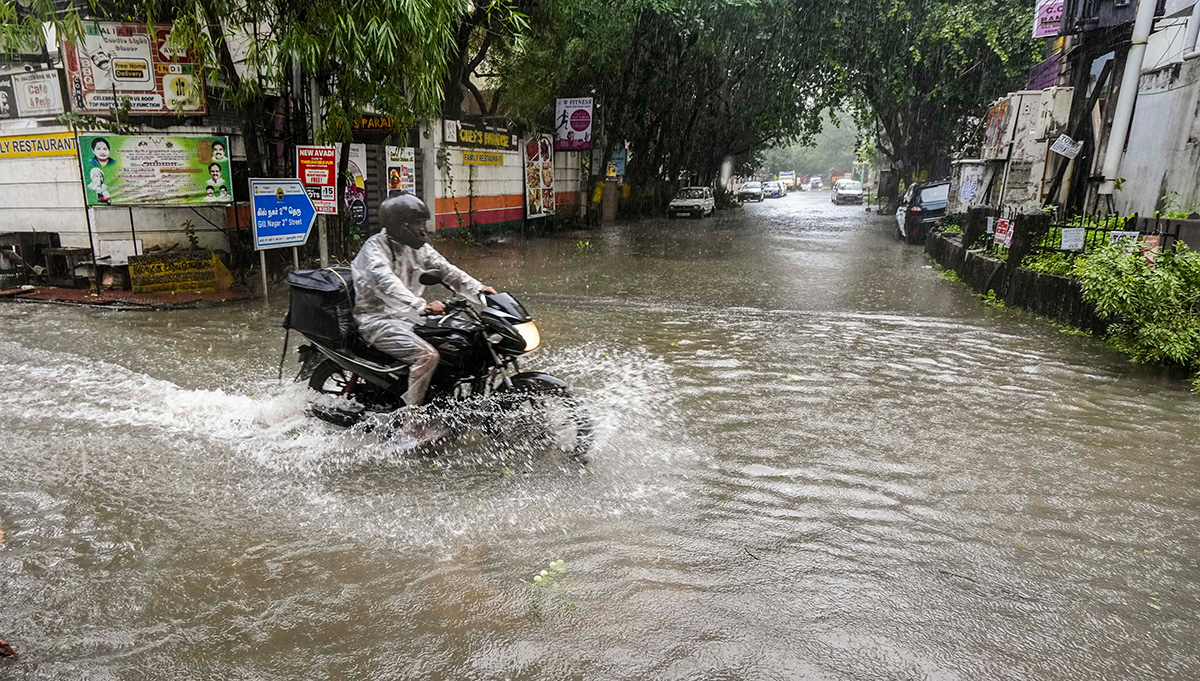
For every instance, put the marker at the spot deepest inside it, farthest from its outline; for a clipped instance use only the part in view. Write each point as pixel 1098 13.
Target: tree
pixel 685 84
pixel 923 70
pixel 834 146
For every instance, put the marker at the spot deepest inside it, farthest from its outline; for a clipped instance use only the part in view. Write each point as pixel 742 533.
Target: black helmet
pixel 403 218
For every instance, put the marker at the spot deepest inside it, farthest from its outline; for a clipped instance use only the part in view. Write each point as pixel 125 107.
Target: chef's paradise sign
pixel 539 176
pixel 153 170
pixel 113 62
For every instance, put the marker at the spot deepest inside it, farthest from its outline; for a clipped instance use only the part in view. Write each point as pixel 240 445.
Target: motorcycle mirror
pixel 430 277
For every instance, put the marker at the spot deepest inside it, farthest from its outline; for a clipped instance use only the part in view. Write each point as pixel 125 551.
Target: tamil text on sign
pixel 193 270
pixel 282 213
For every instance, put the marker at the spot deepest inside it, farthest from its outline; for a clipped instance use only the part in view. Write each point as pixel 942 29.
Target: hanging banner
pixel 154 170
pixel 317 168
pixel 115 61
pixel 34 146
pixel 30 95
pixel 539 176
pixel 1047 20
pixel 402 169
pixel 356 184
pixel 573 124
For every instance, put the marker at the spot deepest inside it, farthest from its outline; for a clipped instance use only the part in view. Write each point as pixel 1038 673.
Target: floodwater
pixel 816 459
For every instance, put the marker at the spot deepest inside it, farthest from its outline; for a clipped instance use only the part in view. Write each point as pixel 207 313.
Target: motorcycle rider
pixel 388 292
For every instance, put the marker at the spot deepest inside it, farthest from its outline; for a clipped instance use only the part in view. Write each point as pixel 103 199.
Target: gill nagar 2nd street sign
pixel 283 213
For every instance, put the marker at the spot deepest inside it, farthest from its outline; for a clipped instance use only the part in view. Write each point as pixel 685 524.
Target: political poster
pixel 402 169
pixel 573 124
pixel 30 95
pixel 539 176
pixel 317 168
pixel 155 170
pixel 113 62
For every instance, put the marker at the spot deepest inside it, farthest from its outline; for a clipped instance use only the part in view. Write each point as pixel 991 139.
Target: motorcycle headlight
pixel 529 332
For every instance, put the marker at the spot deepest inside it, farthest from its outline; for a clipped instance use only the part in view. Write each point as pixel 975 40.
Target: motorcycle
pixel 479 351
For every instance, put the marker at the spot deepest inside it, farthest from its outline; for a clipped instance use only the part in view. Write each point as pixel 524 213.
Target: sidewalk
pixel 124 300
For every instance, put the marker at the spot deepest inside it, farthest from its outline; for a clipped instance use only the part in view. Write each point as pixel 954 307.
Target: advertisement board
pixel 573 124
pixel 402 169
pixel 539 176
pixel 30 95
pixel 317 168
pixel 1003 233
pixel 115 61
pixel 356 184
pixel 155 170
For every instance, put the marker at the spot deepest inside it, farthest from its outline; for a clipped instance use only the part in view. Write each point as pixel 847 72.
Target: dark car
pixel 751 191
pixel 922 205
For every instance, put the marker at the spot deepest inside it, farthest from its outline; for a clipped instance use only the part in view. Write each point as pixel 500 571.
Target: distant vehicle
pixel 814 182
pixel 921 206
pixel 847 191
pixel 751 191
pixel 697 201
pixel 774 190
pixel 788 178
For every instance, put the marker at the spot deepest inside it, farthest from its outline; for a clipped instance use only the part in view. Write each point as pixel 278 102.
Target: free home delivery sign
pixel 283 213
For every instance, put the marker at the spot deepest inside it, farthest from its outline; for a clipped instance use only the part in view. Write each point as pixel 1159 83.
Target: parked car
pixel 847 191
pixel 751 191
pixel 814 182
pixel 697 201
pixel 920 208
pixel 774 190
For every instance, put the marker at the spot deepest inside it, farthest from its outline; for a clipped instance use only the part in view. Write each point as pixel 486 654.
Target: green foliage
pixel 950 275
pixel 1152 306
pixel 923 73
pixel 1061 263
pixel 189 230
pixel 951 223
pixel 993 300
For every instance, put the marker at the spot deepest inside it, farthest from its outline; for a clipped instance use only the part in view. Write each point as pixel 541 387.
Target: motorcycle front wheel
pixel 560 418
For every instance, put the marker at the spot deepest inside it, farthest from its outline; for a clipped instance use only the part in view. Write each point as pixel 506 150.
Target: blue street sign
pixel 283 213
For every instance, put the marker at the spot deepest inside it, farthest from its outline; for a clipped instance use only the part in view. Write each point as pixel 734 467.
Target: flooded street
pixel 816 459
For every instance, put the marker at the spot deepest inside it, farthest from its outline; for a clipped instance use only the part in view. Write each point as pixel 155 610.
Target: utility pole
pixel 314 94
pixel 1123 115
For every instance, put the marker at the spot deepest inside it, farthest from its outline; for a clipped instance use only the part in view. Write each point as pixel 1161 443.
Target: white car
pixel 697 201
pixel 847 191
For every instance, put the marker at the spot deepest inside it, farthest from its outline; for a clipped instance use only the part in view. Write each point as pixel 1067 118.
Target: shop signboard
pixel 37 146
pixel 539 176
pixel 1047 20
pixel 317 168
pixel 114 61
pixel 573 124
pixel 155 170
pixel 483 158
pixel 402 169
pixel 478 134
pixel 30 95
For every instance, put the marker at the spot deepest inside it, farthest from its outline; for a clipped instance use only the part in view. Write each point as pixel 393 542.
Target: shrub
pixel 1152 306
pixel 1051 262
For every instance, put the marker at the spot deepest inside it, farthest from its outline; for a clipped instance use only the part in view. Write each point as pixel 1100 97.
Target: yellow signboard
pixel 483 158
pixel 33 146
pixel 179 271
